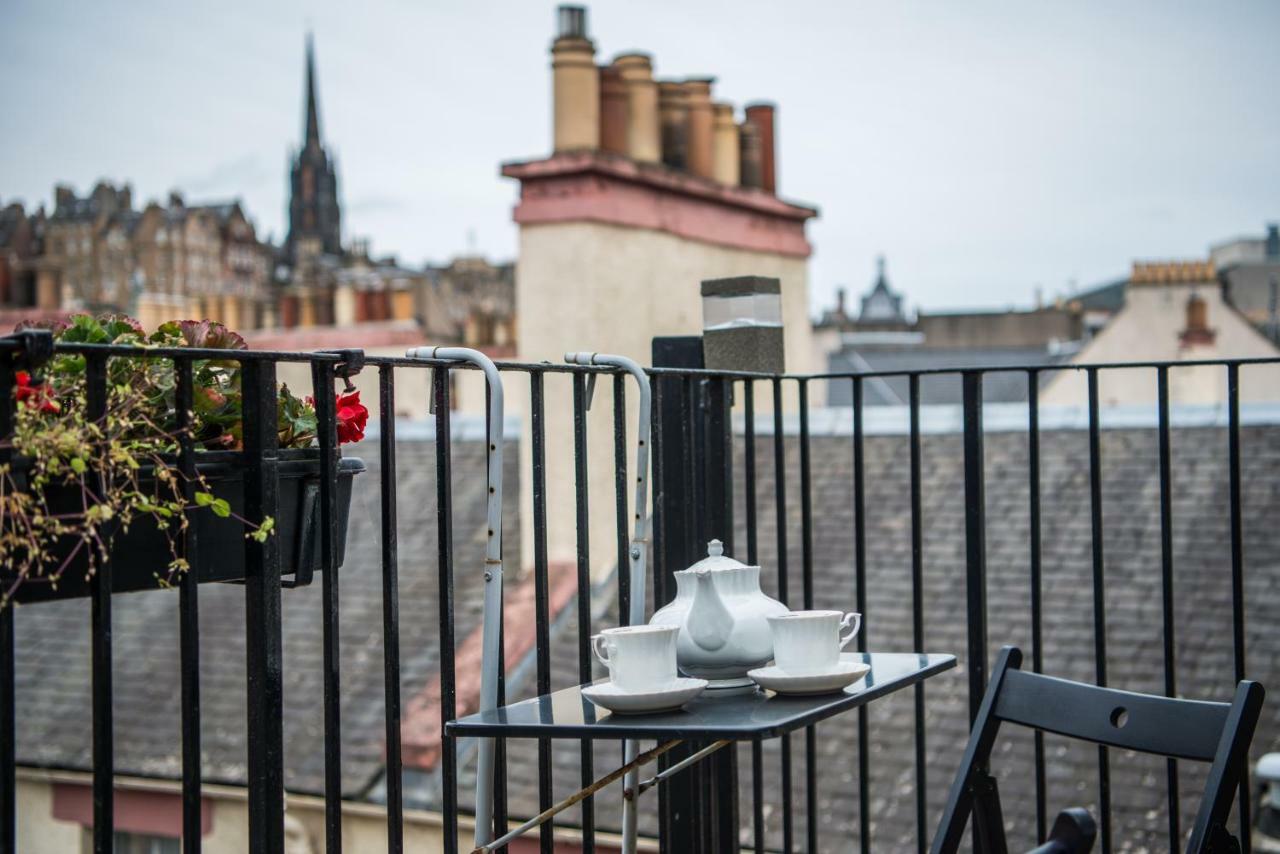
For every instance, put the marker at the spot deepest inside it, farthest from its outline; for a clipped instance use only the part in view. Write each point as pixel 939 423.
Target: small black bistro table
pixel 745 717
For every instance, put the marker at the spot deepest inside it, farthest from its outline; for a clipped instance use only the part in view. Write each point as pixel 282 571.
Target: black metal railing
pixel 696 490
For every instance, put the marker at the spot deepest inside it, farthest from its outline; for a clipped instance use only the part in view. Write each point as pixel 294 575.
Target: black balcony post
pixel 717 455
pixel 8 751
pixel 975 528
pixel 692 429
pixel 263 644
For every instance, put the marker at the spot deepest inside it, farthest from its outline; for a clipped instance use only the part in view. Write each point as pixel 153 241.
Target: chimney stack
pixel 725 156
pixel 761 115
pixel 613 110
pixel 1197 331
pixel 644 134
pixel 698 95
pixel 1273 240
pixel 576 83
pixel 749 155
pixel 673 109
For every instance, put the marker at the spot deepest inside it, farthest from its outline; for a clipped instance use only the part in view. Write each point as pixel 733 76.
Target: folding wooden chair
pixel 1218 733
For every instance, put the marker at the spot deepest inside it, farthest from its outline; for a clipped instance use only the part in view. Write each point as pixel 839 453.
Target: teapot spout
pixel 709 622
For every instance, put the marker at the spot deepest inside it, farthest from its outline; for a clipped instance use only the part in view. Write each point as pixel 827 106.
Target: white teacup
pixel 810 641
pixel 639 658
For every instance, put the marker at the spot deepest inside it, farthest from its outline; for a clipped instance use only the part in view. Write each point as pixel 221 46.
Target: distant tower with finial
pixel 314 216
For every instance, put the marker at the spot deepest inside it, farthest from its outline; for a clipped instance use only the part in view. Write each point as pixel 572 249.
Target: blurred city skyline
pixel 986 150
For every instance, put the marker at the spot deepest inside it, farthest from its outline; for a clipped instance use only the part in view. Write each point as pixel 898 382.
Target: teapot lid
pixel 717 559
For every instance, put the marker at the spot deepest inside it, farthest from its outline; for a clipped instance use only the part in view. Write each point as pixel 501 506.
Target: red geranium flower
pixel 34 395
pixel 352 417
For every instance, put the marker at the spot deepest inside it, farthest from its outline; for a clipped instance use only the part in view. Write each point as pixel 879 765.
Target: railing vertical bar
pixel 749 469
pixel 1099 598
pixel 806 577
pixel 975 534
pixel 500 795
pixel 860 594
pixel 1037 650
pixel 322 376
pixel 189 616
pixel 1166 577
pixel 584 590
pixel 692 412
pixel 917 609
pixel 658 525
pixel 8 713
pixel 8 743
pixel 780 505
pixel 620 496
pixel 1237 577
pixel 100 606
pixel 749 505
pixel 390 608
pixel 659 542
pixel 444 540
pixel 263 649
pixel 542 597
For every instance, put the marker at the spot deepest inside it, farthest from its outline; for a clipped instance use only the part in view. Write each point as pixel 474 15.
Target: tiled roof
pixel 388 333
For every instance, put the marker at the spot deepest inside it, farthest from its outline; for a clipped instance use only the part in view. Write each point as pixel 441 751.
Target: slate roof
pixel 1108 297
pixel 997 387
pixel 53 657
pixel 1132 543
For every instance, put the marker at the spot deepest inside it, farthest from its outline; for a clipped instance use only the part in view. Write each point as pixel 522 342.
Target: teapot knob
pixel 715 548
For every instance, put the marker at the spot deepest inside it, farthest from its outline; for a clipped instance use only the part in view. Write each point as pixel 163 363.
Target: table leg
pixel 722 772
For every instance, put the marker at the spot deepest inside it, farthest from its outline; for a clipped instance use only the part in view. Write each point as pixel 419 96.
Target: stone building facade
pixel 99 253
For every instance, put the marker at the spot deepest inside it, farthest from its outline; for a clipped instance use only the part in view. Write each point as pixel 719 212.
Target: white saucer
pixel 667 698
pixel 823 682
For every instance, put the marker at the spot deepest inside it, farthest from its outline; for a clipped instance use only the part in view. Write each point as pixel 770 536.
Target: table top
pixel 759 715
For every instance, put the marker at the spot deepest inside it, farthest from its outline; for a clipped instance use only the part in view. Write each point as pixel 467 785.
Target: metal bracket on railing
pixel 492 621
pixel 37 348
pixel 638 552
pixel 352 363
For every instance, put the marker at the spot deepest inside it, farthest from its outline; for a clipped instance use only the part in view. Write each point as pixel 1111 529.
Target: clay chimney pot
pixel 700 127
pixel 762 116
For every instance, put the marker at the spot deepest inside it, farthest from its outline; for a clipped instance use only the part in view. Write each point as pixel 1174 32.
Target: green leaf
pixel 204 499
pixel 220 507
pixel 78 465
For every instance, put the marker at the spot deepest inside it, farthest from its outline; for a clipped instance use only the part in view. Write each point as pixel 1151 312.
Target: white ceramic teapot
pixel 723 620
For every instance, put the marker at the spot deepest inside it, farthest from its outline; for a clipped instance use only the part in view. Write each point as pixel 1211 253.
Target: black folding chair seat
pixel 1217 733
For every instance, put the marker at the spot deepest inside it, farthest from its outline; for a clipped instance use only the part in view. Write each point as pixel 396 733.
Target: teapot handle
pixel 856 620
pixel 601 647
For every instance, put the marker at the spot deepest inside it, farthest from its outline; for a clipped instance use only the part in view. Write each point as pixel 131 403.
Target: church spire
pixel 314 216
pixel 312 134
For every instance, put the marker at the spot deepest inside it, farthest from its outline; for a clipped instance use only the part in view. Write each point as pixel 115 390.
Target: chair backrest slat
pixel 1185 729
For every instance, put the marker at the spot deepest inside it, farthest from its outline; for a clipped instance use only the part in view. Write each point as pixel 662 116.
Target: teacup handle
pixel 600 646
pixel 856 620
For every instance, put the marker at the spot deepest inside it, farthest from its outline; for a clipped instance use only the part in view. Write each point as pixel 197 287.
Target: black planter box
pixel 142 553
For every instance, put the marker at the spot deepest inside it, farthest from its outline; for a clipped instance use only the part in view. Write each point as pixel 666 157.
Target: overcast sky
pixel 987 149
